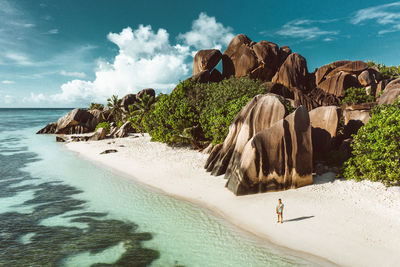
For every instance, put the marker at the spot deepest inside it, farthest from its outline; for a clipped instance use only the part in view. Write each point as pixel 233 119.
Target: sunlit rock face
pixel 277 158
pixel 259 114
pixel 324 122
pixel 259 60
pixel 391 92
pixel 264 151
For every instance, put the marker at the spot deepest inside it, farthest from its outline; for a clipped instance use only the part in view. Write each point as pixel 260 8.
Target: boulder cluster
pixel 285 73
pixel 268 149
pixel 79 121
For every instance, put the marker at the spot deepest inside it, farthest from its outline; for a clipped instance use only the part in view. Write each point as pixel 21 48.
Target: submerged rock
pixel 277 158
pixel 60 139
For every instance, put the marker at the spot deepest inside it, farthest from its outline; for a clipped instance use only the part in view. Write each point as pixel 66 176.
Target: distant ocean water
pixel 57 209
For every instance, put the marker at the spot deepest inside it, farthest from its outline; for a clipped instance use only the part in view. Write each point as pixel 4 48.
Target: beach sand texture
pixel 346 222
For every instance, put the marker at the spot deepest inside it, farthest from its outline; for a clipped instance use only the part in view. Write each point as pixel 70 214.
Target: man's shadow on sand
pixel 299 218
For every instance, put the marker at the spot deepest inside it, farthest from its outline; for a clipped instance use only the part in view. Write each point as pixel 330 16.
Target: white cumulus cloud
pixel 207 33
pixel 146 58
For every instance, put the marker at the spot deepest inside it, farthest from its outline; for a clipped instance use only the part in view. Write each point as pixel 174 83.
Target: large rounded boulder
pixel 277 158
pixel 293 73
pixel 239 59
pixel 391 92
pixel 268 58
pixel 324 123
pixel 78 121
pixel 127 100
pixel 206 60
pixel 337 84
pixel 260 113
pixel 149 91
pixel 259 60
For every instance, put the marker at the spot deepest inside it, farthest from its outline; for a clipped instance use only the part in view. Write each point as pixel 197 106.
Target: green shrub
pixel 96 106
pixel 355 95
pixel 171 115
pixel 120 123
pixel 196 113
pixel 376 148
pixel 215 121
pixel 105 125
pixel 386 71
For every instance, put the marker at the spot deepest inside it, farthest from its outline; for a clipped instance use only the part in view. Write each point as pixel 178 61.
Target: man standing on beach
pixel 279 210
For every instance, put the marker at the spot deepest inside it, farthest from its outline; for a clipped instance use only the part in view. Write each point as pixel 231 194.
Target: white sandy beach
pixel 348 223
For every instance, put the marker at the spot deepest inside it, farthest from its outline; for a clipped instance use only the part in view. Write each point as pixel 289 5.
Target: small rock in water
pixel 107 151
pixel 59 139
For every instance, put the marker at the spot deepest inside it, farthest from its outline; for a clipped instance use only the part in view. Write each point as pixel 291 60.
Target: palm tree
pixel 139 109
pixel 115 108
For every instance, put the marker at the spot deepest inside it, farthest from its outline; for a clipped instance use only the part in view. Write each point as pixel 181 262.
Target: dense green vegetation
pixel 139 110
pixel 199 113
pixel 105 125
pixel 386 71
pixel 96 106
pixel 376 148
pixel 355 95
pixel 114 104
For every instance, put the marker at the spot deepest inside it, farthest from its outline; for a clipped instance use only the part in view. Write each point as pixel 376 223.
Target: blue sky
pixel 69 53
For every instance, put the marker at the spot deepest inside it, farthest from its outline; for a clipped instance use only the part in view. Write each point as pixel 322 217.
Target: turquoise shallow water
pixel 57 209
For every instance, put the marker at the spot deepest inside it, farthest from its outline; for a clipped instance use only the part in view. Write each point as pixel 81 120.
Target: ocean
pixel 57 209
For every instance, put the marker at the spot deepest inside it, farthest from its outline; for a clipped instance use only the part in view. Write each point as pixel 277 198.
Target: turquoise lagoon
pixel 57 209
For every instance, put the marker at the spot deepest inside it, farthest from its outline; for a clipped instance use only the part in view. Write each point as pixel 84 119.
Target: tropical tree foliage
pixel 376 148
pixel 105 125
pixel 96 106
pixel 114 103
pixel 140 109
pixel 199 113
pixel 386 71
pixel 355 95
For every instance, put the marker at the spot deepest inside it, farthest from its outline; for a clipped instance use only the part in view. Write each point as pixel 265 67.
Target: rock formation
pixel 391 92
pixel 355 116
pixel 99 134
pixel 336 77
pixel 48 129
pixel 276 158
pixel 123 131
pixel 127 100
pixel 259 60
pixel 260 113
pixel 77 121
pixel 206 60
pixel 148 91
pixel 293 73
pixel 338 83
pixel 324 122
